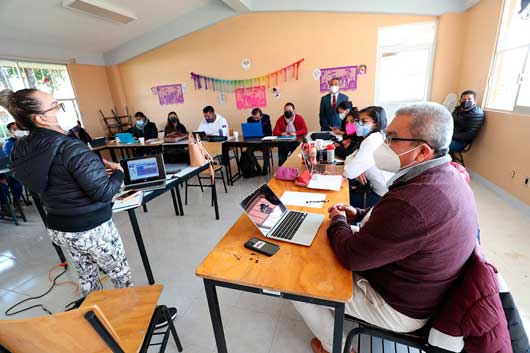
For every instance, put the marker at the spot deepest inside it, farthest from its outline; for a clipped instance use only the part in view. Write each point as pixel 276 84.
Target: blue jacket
pixel 8 146
pixel 328 116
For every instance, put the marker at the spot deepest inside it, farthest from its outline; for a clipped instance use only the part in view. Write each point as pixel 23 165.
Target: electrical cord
pixel 8 311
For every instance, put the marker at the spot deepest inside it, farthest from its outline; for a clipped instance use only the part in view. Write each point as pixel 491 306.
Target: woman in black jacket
pixel 73 185
pixel 174 128
pixel 143 127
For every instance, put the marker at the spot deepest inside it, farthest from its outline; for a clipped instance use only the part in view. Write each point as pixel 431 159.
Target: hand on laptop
pixel 343 210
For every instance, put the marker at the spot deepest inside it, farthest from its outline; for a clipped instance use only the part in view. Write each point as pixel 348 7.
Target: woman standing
pixel 73 185
pixel 289 124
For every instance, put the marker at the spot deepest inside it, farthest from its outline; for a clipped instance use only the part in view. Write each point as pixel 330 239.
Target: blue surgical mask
pixel 362 129
pixel 140 124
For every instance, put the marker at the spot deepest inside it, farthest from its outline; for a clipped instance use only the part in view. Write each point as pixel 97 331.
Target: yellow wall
pixel 93 93
pixel 271 41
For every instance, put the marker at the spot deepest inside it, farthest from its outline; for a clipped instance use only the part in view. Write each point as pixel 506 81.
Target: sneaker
pixel 162 322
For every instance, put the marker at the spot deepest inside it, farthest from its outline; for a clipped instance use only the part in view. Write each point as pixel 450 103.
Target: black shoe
pixel 258 169
pixel 162 322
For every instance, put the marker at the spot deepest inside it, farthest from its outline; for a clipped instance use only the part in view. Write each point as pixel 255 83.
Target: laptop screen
pixel 141 169
pixel 264 208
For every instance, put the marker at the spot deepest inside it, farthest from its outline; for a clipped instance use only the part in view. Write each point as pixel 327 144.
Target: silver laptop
pixel 144 173
pixel 275 221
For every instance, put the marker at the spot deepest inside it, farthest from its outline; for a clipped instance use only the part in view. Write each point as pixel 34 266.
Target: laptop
pixel 317 168
pixel 275 221
pixel 252 130
pixel 98 142
pixel 201 134
pixel 125 137
pixel 144 173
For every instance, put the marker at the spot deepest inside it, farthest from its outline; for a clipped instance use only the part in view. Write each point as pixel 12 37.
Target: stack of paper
pixel 133 201
pixel 325 182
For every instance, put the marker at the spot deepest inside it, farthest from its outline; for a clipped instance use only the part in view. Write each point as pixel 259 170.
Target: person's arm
pixel 151 132
pixel 301 129
pixel 267 127
pixel 364 158
pixel 183 129
pixel 278 128
pixel 88 171
pixel 8 147
pixel 324 123
pixel 388 236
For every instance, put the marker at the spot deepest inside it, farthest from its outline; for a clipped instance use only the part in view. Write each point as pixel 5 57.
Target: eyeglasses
pixel 58 106
pixel 389 139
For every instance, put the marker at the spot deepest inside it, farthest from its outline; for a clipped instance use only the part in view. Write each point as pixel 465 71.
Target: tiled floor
pixel 176 245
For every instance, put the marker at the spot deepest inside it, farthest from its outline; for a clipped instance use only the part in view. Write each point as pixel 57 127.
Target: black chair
pixel 204 176
pixel 396 342
pixel 459 155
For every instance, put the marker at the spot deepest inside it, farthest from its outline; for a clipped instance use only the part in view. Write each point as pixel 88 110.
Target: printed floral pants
pixel 100 246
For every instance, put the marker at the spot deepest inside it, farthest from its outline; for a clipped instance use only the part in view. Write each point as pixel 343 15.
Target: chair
pixel 117 123
pixel 458 155
pixel 117 321
pixel 416 340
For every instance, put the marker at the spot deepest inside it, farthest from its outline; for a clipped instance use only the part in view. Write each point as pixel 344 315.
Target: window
pixel 51 78
pixel 404 64
pixel 509 86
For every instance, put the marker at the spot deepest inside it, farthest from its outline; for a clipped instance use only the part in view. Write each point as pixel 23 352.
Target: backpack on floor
pixel 248 169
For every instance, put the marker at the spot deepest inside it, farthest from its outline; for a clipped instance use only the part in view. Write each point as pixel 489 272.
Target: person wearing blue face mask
pixel 367 182
pixel 468 119
pixel 143 127
pixel 213 124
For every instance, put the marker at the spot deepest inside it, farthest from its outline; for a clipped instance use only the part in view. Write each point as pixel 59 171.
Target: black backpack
pixel 248 169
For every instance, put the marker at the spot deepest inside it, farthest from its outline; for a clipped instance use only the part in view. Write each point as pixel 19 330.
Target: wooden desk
pixel 128 310
pixel 308 274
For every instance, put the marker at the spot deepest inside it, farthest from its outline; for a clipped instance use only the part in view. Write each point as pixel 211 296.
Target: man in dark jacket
pixel 265 121
pixel 328 104
pixel 414 243
pixel 468 119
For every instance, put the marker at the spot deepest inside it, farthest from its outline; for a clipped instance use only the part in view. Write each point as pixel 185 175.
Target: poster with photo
pixel 346 74
pixel 251 97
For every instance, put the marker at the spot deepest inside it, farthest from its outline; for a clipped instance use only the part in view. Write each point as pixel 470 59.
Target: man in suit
pixel 328 104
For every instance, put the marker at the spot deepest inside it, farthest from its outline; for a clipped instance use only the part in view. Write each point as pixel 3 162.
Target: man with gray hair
pixel 413 244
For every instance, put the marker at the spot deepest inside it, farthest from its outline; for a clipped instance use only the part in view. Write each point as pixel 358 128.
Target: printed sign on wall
pixel 251 97
pixel 170 94
pixel 346 74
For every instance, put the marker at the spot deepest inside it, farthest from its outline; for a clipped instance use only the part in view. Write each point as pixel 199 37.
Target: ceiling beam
pixel 239 6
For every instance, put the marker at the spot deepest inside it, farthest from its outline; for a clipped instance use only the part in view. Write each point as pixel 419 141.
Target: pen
pixel 317 201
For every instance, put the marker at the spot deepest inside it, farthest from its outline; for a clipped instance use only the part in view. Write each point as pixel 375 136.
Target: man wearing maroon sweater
pixel 413 244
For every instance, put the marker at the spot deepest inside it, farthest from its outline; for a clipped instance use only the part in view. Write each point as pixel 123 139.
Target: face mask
pixel 363 130
pixel 173 120
pixel 19 133
pixel 288 114
pixel 140 124
pixel 350 128
pixel 334 89
pixel 66 121
pixel 388 160
pixel 467 105
pixel 343 115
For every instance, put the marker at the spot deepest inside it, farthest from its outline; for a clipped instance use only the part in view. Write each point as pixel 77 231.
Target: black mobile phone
pixel 262 246
pixel 126 195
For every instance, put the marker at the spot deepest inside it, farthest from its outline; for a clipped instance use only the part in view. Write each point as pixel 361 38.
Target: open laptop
pixel 252 130
pixel 318 168
pixel 144 173
pixel 125 137
pixel 275 221
pixel 98 142
pixel 201 134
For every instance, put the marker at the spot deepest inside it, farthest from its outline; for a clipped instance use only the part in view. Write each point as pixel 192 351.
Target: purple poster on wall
pixel 346 74
pixel 170 94
pixel 251 97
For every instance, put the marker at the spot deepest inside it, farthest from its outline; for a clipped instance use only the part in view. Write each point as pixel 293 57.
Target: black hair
pixel 10 125
pixel 208 109
pixel 256 111
pixel 23 105
pixel 378 114
pixel 140 115
pixel 469 91
pixel 287 104
pixel 354 113
pixel 334 78
pixel 176 115
pixel 344 105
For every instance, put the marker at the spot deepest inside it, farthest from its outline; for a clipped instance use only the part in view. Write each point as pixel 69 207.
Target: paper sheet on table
pixel 292 198
pixel 268 138
pixel 325 182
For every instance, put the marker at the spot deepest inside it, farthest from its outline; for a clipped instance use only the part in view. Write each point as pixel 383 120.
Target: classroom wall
pixel 322 39
pixel 92 90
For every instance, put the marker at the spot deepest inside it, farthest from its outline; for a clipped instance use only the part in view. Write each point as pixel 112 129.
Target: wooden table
pixel 308 274
pixel 112 146
pixel 128 310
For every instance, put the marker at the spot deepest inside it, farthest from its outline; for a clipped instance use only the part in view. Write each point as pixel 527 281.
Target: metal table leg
pixel 214 199
pixel 141 247
pixel 175 206
pixel 338 329
pixel 179 200
pixel 215 314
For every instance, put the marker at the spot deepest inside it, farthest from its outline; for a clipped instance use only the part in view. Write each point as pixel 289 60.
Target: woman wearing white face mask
pixel 73 185
pixel 367 182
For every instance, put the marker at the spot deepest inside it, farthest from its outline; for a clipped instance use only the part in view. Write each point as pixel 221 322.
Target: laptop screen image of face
pixel 264 208
pixel 141 169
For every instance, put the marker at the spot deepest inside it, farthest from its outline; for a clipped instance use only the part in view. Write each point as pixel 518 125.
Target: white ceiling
pixel 44 30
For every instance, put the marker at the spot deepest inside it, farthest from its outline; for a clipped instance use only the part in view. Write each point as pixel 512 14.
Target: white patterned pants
pixel 100 246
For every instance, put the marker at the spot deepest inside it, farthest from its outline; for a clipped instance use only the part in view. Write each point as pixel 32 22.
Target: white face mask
pixel 20 133
pixel 334 89
pixel 342 115
pixel 66 121
pixel 388 160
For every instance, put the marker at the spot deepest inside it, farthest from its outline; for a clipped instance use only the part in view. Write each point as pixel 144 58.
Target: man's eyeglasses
pixel 58 106
pixel 389 139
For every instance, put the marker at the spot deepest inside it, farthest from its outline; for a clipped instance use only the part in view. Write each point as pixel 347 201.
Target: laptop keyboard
pixel 319 168
pixel 289 226
pixel 146 186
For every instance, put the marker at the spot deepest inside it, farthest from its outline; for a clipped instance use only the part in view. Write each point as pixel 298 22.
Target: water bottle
pixel 221 132
pixel 331 154
pixel 313 153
